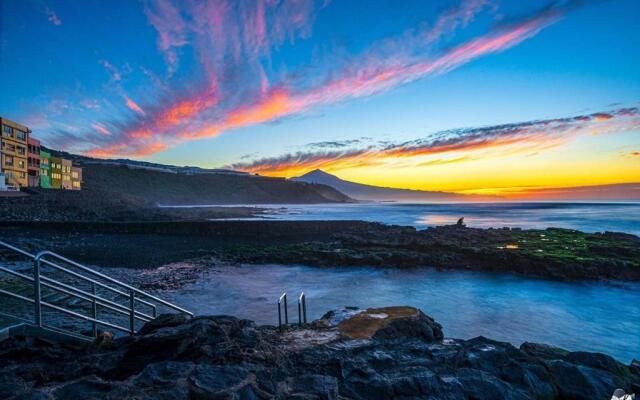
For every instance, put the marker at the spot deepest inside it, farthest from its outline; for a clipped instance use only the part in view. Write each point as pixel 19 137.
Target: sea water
pixel 589 316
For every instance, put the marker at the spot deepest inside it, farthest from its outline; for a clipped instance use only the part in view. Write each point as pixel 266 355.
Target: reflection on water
pixel 577 316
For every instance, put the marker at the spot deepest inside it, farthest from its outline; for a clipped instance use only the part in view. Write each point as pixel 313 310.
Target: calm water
pixel 587 217
pixel 577 316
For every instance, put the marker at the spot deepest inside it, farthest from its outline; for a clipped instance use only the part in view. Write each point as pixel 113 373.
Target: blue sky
pixel 237 82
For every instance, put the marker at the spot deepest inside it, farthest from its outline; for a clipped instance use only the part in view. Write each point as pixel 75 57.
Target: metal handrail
pixel 80 294
pixel 283 300
pixel 302 309
pixel 38 280
pixel 108 278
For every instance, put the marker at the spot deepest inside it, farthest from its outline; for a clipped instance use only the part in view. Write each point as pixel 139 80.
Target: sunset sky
pixel 476 96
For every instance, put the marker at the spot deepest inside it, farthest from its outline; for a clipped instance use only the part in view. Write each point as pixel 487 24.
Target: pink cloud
pixel 134 106
pixel 101 128
pixel 234 40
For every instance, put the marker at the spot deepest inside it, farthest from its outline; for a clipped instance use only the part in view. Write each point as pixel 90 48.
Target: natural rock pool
pixel 591 316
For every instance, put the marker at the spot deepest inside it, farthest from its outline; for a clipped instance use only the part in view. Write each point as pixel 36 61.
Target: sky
pixel 471 96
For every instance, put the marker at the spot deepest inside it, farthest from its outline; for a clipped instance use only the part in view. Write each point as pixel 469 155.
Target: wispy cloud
pixel 464 144
pixel 101 128
pixel 337 144
pixel 134 106
pixel 52 17
pixel 233 42
pixel 112 70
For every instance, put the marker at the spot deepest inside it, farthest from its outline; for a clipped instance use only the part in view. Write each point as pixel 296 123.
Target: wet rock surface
pixel 345 355
pixel 551 253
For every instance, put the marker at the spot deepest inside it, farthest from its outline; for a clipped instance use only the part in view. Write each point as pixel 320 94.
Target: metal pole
pixel 36 292
pixel 132 315
pixel 286 312
pixel 154 311
pixel 281 300
pixel 94 310
pixel 279 315
pixel 304 308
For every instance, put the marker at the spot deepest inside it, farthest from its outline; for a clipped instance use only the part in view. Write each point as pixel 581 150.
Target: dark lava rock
pixel 382 353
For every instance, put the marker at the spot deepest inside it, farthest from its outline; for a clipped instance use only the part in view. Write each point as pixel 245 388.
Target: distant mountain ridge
pixel 361 191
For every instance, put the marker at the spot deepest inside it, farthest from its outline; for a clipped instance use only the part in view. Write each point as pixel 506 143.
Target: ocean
pixel 587 217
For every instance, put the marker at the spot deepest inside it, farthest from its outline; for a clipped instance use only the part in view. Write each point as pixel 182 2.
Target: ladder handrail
pixel 40 255
pixel 38 280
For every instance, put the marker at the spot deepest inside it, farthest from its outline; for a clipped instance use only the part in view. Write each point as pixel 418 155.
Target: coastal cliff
pixel 382 353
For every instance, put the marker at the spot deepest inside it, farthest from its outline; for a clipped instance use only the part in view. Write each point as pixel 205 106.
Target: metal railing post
pixel 154 311
pixel 94 310
pixel 279 315
pixel 286 311
pixel 302 309
pixel 282 301
pixel 36 291
pixel 132 314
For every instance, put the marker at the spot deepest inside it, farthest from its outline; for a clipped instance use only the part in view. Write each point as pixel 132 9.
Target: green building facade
pixel 45 169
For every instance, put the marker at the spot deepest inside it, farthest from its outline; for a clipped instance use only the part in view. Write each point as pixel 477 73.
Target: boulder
pixel 391 323
pixel 163 321
pixel 581 382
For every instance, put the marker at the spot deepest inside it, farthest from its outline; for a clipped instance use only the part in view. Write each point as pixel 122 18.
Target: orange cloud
pixel 483 142
pixel 274 106
pixel 384 66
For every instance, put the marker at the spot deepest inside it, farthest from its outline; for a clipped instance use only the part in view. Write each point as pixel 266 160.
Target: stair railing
pixel 132 309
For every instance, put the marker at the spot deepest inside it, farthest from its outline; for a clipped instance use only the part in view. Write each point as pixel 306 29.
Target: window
pixel 76 184
pixel 74 175
pixel 56 176
pixel 43 172
pixel 8 161
pixel 7 130
pixel 21 163
pixel 21 135
pixel 44 161
pixel 21 150
pixel 9 147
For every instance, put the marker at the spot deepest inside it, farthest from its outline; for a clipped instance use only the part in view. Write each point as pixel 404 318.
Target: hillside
pixel 166 188
pixel 172 185
pixel 360 191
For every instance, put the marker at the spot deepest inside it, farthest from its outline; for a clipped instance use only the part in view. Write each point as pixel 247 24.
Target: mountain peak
pixel 317 173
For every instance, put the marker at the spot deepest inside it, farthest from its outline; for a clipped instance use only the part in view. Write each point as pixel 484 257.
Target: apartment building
pixel 33 162
pixel 45 169
pixel 14 140
pixel 66 174
pixel 76 178
pixel 56 173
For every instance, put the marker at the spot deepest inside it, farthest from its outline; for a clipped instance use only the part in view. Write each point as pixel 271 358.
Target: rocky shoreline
pixel 384 353
pixel 552 253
